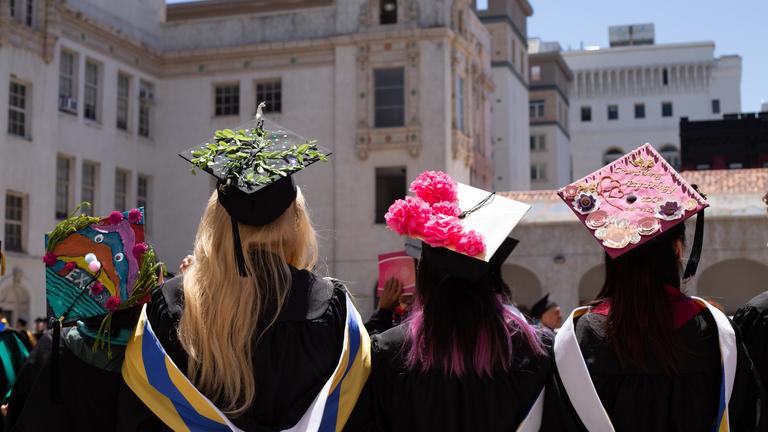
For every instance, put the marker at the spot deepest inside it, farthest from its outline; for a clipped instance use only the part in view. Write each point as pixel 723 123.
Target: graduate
pixel 99 272
pixel 644 356
pixel 547 313
pixel 462 360
pixel 249 337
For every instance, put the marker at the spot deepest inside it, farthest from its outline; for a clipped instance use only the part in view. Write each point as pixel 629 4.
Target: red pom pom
pixel 115 217
pixel 134 216
pixel 113 303
pixel 50 259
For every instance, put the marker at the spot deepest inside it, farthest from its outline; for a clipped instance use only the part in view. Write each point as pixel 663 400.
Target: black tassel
pixel 55 394
pixel 698 243
pixel 239 258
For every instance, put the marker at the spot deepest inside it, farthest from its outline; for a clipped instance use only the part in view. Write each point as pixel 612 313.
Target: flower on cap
pixel 408 216
pixel 113 303
pixel 618 233
pixel 115 217
pixel 446 208
pixel 68 267
pixel 470 243
pixel 441 230
pixel 139 249
pixel 586 203
pixel 97 288
pixel 670 210
pixel 571 191
pixel 435 186
pixel 134 216
pixel 50 259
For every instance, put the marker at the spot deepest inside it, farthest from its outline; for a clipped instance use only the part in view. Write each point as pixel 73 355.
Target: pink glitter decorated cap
pixel 455 216
pixel 632 200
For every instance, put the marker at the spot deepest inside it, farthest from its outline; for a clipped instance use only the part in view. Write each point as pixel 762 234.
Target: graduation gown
pixel 294 357
pixel 752 321
pixel 636 400
pixel 396 399
pixel 92 398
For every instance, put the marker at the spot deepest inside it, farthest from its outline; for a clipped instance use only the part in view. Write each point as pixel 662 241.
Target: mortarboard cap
pixel 634 199
pixel 541 307
pixel 461 227
pixel 253 165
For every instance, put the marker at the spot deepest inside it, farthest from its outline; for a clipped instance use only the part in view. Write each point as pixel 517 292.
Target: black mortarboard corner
pixel 541 306
pixel 254 164
pixel 466 267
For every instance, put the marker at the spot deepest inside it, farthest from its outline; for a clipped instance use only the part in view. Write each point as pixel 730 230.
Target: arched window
pixel 671 155
pixel 611 155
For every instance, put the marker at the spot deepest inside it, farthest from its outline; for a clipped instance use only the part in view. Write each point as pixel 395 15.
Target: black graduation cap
pixel 541 306
pixel 254 165
pixel 466 267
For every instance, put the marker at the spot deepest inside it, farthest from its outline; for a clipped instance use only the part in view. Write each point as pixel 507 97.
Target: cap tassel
pixel 239 258
pixel 55 394
pixel 698 243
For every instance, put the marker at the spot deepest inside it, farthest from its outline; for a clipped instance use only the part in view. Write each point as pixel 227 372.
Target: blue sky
pixel 735 27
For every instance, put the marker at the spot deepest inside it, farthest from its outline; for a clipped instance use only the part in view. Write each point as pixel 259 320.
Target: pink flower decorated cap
pixel 632 200
pixel 455 216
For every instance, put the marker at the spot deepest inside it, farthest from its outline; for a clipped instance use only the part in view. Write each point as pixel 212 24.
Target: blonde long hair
pixel 222 311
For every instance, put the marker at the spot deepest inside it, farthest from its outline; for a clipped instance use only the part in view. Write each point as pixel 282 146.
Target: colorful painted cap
pixel 456 222
pixel 632 200
pixel 96 266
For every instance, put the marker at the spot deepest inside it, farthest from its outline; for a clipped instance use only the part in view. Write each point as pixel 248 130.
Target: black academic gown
pixel 752 320
pixel 397 399
pixel 652 401
pixel 293 359
pixel 92 398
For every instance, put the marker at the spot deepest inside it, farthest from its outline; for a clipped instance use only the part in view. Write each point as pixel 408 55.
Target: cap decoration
pixel 90 271
pixel 632 200
pixel 434 216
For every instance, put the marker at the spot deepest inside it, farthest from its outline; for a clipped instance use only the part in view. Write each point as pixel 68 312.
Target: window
pixel 735 165
pixel 666 109
pixel 715 106
pixel 702 166
pixel 271 93
pixel 536 109
pixel 389 98
pixel 639 110
pixel 14 222
pixel 538 143
pixel 671 155
pixel 481 5
pixel 586 114
pixel 459 98
pixel 538 172
pixel 121 190
pixel 23 11
pixel 227 99
pixel 611 155
pixel 390 186
pixel 18 120
pixel 91 102
pixel 142 195
pixel 123 100
pixel 68 82
pixel 146 99
pixel 388 12
pixel 88 186
pixel 613 112
pixel 14 10
pixel 665 76
pixel 535 73
pixel 63 182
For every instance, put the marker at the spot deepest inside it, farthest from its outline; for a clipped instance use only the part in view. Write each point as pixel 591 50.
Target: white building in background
pixel 507 22
pixel 97 97
pixel 636 91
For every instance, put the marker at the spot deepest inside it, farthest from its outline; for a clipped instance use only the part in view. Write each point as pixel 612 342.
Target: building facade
pixel 98 97
pixel 633 93
pixel 506 20
pixel 550 141
pixel 733 142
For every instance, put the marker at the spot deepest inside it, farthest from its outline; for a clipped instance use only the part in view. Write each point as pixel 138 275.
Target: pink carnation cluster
pixel 433 215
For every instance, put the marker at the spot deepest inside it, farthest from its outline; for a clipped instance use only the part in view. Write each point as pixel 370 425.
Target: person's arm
pixel 381 320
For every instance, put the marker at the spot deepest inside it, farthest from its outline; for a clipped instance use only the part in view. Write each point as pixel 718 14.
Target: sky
pixel 738 27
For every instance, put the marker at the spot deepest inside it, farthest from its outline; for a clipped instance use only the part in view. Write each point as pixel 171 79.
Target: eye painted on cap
pixel 98 238
pixel 119 256
pixel 631 199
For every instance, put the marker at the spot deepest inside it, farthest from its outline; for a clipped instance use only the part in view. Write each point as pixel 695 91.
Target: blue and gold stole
pixel 578 385
pixel 164 389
